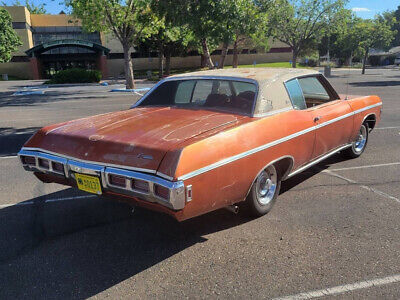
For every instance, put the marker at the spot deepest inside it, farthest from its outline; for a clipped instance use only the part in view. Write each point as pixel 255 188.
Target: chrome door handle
pixel 316 119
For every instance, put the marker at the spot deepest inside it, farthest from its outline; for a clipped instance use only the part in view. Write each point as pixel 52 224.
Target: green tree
pixel 345 42
pixel 299 22
pixel 369 34
pixel 170 41
pixel 9 40
pixel 33 8
pixel 130 21
pixel 392 18
pixel 239 21
pixel 202 18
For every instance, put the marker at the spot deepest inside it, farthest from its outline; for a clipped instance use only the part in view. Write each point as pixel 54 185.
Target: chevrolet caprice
pixel 206 140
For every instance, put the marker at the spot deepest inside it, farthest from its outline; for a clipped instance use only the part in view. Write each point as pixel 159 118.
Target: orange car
pixel 206 140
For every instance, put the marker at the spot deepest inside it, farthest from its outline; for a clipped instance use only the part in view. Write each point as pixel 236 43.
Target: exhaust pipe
pixel 233 208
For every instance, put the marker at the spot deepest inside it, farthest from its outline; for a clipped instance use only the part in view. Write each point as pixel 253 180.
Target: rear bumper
pixel 50 164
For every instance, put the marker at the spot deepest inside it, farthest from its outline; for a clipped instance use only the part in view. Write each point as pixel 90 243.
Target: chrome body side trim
pixel 334 120
pixel 175 200
pixel 271 144
pixel 367 107
pixel 178 195
pixel 244 154
pixel 321 158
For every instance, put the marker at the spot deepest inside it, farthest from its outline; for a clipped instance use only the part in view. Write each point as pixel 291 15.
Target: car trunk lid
pixel 137 138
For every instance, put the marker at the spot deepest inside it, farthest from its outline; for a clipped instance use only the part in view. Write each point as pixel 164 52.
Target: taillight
pixel 58 167
pixel 140 185
pixel 28 160
pixel 44 163
pixel 161 191
pixel 117 180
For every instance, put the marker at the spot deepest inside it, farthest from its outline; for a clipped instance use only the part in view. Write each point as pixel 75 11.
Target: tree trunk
pixel 206 53
pixel 349 60
pixel 235 61
pixel 223 55
pixel 365 60
pixel 161 62
pixel 294 59
pixel 167 63
pixel 130 83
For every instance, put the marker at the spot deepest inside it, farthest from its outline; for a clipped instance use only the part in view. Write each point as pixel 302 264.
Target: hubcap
pixel 361 140
pixel 266 185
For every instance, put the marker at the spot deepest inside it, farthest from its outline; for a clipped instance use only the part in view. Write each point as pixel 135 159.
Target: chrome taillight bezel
pixel 176 197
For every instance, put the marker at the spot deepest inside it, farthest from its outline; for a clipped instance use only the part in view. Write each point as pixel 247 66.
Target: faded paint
pixel 182 141
pixel 130 137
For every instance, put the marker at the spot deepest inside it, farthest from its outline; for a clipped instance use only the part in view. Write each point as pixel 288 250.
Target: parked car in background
pixel 397 60
pixel 202 141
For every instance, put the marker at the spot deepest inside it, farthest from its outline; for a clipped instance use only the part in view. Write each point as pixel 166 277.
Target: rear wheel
pixel 263 192
pixel 359 145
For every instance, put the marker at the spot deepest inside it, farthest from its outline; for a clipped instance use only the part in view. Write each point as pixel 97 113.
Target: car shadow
pixel 12 139
pixel 77 249
pixel 375 83
pixel 7 99
pixel 318 168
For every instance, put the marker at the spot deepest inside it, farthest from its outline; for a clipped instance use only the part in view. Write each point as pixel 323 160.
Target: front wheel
pixel 359 145
pixel 263 192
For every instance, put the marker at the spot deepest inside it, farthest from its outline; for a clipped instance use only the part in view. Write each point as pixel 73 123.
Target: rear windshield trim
pixel 182 78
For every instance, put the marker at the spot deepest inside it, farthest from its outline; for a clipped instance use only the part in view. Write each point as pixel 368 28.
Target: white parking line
pixel 340 289
pixel 364 167
pixel 16 204
pixel 70 198
pixel 382 128
pixel 365 187
pixel 48 200
pixel 6 157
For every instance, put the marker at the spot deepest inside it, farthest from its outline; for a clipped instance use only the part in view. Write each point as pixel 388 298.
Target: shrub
pixel 331 64
pixel 310 61
pixel 76 75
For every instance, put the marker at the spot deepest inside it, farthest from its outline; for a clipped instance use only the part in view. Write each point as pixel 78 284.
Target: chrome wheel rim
pixel 361 139
pixel 266 184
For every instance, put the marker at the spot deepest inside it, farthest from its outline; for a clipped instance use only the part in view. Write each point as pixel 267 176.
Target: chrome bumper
pixel 51 164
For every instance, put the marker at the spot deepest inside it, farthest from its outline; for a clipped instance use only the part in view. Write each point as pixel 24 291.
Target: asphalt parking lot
pixel 333 233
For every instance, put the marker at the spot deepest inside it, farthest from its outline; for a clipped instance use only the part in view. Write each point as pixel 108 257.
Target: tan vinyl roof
pixel 272 94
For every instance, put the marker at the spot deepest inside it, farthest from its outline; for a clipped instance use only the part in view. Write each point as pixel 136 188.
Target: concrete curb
pixel 130 90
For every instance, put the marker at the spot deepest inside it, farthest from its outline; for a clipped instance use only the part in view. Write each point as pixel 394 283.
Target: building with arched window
pixel 57 42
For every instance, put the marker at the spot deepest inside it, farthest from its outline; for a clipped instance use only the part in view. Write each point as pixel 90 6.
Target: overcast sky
pixel 363 8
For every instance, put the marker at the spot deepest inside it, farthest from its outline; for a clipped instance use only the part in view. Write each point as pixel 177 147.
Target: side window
pixel 314 92
pixel 184 91
pixel 223 88
pixel 202 90
pixel 241 87
pixel 296 94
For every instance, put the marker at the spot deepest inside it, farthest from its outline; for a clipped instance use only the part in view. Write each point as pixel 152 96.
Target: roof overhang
pixel 38 49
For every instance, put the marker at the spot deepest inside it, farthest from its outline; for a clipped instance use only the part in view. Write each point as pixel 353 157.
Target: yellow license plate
pixel 88 183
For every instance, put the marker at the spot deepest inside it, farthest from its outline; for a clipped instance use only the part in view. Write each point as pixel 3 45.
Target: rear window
pixel 224 95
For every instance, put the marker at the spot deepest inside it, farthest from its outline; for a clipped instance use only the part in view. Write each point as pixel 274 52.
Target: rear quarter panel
pixel 228 162
pixel 364 106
